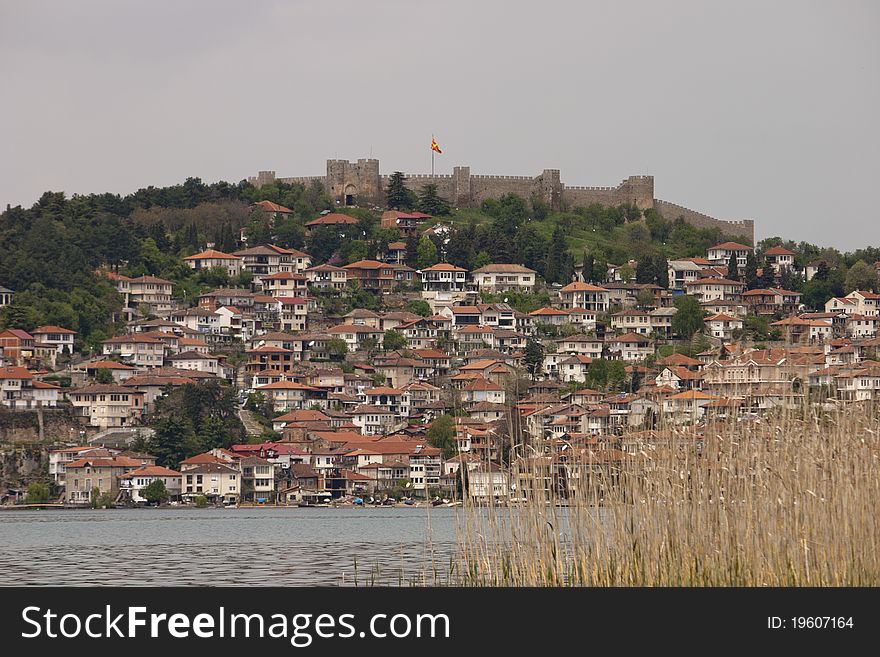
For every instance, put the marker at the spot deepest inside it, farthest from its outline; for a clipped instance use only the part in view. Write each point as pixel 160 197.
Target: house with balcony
pixel 87 475
pixel 107 406
pixel 326 276
pixel 720 254
pixel 712 289
pixel 133 482
pixel 723 326
pixel 630 347
pixel 257 480
pixel 771 301
pixel 211 259
pixel 136 349
pixel 285 284
pixel 779 259
pixel 443 277
pixel 371 275
pixel 218 482
pixel 584 295
pixel 55 336
pixel 504 278
pixel 20 391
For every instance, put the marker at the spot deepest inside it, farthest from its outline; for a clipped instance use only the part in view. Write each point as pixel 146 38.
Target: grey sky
pixel 739 109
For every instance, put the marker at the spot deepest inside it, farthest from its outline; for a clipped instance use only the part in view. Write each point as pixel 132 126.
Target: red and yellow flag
pixel 434 146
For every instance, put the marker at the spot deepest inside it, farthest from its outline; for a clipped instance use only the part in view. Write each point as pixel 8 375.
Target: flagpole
pixel 432 156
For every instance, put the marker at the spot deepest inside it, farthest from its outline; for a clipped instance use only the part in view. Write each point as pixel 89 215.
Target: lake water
pixel 226 547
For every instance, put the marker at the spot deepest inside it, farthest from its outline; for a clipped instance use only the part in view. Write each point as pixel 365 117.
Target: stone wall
pixel 361 183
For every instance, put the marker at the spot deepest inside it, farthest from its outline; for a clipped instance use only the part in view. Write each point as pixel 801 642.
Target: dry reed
pixel 786 500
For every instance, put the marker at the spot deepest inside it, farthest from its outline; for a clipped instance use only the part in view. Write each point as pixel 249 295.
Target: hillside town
pixel 441 388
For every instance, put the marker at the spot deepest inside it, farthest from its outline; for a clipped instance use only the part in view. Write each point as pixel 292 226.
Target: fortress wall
pixel 671 211
pixel 486 187
pixel 362 180
pixel 303 180
pixel 416 181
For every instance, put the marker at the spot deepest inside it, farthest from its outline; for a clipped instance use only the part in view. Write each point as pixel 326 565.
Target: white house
pixel 504 277
pixel 132 483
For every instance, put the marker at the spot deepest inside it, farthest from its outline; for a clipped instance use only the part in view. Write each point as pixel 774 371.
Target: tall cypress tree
pixel 751 271
pixel 733 268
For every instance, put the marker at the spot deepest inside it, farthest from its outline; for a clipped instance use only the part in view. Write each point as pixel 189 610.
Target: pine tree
pixel 533 357
pixel 587 269
pixel 662 268
pixel 398 196
pixel 431 203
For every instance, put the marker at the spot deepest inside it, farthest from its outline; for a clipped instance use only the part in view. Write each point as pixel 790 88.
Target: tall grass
pixel 789 500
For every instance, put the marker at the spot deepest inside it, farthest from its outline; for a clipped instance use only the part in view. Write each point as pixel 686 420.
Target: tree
pixel 337 349
pixel 750 273
pixel 559 264
pixel 645 298
pixel 393 340
pixel 37 493
pixel 426 254
pixel 441 434
pixel 155 492
pixel 419 307
pixel 431 203
pixel 733 268
pixel 587 267
pixel 104 376
pixel 861 276
pixel 689 318
pixel 397 195
pixel 533 356
pixel 482 260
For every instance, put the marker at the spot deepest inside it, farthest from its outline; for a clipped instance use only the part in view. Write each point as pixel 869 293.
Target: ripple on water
pixel 224 547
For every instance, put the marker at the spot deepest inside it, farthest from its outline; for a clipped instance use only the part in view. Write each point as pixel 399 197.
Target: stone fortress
pixel 360 183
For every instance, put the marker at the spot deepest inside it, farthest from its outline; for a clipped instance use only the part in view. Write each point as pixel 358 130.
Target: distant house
pixel 210 259
pixel 55 336
pixel 6 296
pixel 344 224
pixel 107 406
pixel 326 276
pixel 16 346
pixel 711 289
pixel 132 483
pixel 20 391
pixel 779 259
pixel 443 277
pixel 504 277
pixel 85 475
pixel 584 295
pixel 408 223
pixel 215 481
pixel 723 326
pixel 720 254
pixel 372 275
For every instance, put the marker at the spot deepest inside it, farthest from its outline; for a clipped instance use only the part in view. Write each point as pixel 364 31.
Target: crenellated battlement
pixel 360 183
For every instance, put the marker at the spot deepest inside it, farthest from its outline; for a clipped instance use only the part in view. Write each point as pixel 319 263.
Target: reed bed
pixel 787 500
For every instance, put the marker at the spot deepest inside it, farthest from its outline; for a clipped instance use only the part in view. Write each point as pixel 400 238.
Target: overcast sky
pixel 746 109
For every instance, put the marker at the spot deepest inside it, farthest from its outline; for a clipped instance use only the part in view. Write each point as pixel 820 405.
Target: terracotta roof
pixel 504 268
pixel 150 471
pixel 578 286
pixel 14 373
pixel 212 254
pixel 778 250
pixel 269 206
pixel 333 219
pixel 52 329
pixel 443 266
pixel 730 246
